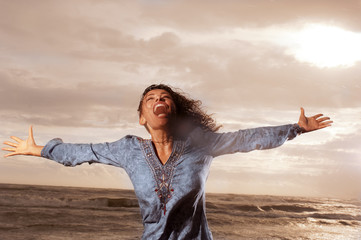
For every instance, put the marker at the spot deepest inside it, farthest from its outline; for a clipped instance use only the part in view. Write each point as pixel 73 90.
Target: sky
pixel 76 70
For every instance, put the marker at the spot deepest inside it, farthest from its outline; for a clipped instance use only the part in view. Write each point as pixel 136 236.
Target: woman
pixel 169 171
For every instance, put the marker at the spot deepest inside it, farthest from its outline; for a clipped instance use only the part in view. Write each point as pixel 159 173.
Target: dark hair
pixel 188 111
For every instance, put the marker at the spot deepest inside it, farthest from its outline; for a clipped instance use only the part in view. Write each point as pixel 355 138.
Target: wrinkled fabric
pixel 171 196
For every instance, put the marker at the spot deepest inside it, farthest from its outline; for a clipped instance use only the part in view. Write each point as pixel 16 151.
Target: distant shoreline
pixel 208 193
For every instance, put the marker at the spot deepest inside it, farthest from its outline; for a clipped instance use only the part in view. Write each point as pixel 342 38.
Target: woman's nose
pixel 159 99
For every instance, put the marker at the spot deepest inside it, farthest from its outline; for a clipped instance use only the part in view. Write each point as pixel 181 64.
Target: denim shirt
pixel 171 196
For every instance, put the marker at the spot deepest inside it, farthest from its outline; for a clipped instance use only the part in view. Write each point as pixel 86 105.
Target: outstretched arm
pixel 69 154
pixel 263 137
pixel 23 147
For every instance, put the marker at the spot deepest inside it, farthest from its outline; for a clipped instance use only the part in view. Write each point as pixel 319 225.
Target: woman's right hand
pixel 23 147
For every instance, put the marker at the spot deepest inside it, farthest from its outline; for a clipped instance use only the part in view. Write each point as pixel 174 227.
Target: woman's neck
pixel 161 137
pixel 163 143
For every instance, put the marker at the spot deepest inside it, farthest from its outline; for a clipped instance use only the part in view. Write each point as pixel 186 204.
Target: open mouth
pixel 160 109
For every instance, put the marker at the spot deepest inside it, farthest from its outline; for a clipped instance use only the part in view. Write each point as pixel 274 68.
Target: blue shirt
pixel 171 196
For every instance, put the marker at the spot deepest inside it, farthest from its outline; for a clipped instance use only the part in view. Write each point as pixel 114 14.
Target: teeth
pixel 160 111
pixel 157 106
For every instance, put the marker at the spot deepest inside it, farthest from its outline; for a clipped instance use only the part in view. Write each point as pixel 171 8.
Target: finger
pixel 10 154
pixel 324 126
pixel 31 132
pixel 9 149
pixel 11 144
pixel 323 119
pixel 326 123
pixel 17 139
pixel 317 116
pixel 302 111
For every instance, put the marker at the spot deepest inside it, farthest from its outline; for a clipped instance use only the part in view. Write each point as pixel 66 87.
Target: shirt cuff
pixel 46 151
pixel 295 130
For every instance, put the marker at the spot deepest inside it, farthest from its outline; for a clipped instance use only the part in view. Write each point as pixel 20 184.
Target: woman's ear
pixel 142 120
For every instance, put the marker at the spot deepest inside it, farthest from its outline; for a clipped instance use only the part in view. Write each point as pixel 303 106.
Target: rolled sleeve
pixel 251 139
pixel 72 154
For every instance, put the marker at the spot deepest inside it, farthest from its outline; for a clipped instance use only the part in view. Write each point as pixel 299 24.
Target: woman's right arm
pixel 70 154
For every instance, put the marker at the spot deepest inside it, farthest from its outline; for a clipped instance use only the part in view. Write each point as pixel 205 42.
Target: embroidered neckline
pixel 162 173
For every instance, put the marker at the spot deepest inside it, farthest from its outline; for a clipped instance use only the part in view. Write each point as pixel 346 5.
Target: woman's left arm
pixel 263 137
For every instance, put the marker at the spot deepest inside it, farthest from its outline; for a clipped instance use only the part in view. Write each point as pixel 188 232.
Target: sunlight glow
pixel 328 46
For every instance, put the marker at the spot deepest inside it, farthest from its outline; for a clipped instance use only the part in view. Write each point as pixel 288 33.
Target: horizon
pixel 207 193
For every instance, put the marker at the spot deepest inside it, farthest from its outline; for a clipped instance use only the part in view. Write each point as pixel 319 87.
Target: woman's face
pixel 157 109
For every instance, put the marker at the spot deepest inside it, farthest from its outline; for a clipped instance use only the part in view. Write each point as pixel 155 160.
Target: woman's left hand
pixel 313 123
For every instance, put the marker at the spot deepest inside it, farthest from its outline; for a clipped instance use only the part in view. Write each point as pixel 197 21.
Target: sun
pixel 327 46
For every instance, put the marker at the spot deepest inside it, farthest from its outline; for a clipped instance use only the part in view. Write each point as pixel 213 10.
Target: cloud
pixel 250 73
pixel 248 13
pixel 329 169
pixel 84 104
pixel 77 69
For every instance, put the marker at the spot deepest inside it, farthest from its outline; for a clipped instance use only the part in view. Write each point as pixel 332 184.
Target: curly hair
pixel 188 111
